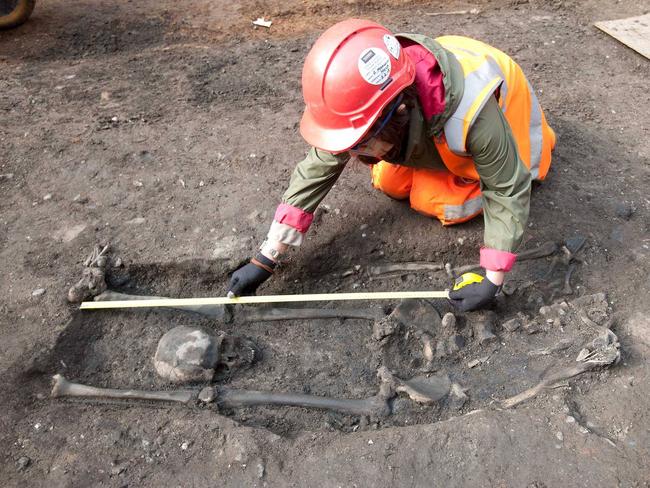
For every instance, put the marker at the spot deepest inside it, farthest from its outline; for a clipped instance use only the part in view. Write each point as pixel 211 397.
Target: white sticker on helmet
pixel 374 65
pixel 392 45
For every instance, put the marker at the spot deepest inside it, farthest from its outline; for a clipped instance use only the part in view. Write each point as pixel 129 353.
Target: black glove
pixel 472 291
pixel 249 277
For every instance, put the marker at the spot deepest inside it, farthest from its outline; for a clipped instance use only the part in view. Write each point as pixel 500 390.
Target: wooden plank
pixel 634 32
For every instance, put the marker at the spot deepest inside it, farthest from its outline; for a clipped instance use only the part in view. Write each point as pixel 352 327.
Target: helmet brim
pixel 332 140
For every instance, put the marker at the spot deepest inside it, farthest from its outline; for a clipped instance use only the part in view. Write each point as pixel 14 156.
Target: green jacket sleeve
pixel 313 178
pixel 505 180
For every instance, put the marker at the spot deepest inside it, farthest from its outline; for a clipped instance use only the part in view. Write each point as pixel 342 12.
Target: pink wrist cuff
pixel 495 260
pixel 293 216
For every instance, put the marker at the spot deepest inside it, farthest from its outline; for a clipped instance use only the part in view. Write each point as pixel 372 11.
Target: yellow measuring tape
pixel 319 297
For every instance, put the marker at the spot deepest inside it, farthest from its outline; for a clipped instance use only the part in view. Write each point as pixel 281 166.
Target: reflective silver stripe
pixel 536 134
pixel 495 66
pixel 504 85
pixel 471 207
pixel 474 84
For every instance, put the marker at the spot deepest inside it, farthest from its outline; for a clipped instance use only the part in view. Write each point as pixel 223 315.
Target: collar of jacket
pixel 452 79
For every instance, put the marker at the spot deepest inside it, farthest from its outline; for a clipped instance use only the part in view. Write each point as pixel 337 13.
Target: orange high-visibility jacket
pixel 487 71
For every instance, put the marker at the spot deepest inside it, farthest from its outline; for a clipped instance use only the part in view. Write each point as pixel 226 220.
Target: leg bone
pixel 64 388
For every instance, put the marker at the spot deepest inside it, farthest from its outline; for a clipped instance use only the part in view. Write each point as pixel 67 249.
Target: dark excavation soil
pixel 170 130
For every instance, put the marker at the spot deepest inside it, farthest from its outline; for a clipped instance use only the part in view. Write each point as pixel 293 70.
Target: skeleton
pixel 603 351
pixel 376 406
pixel 93 278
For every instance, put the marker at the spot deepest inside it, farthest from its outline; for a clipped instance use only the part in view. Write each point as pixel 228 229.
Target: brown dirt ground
pixel 202 110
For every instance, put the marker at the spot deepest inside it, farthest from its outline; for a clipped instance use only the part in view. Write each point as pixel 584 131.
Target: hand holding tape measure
pixel 472 291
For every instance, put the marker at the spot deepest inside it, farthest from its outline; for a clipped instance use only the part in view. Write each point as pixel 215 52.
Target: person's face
pixel 372 148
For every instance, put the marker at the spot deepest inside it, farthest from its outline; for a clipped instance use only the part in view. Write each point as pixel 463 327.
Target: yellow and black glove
pixel 472 291
pixel 249 277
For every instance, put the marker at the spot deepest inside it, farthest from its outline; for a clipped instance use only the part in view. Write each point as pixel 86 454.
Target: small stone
pixel 583 430
pixel 23 463
pixel 80 199
pixel 512 324
pixel 260 470
pixel 532 327
pixel 47 197
pixel 624 210
pixel 185 445
pixel 570 419
pixel 207 395
pixel 38 292
pixel 138 183
pixel 117 470
pixel 370 442
pixel 104 96
pixel 475 362
pixel 559 435
pixel 136 221
pixel 118 263
pixel 363 226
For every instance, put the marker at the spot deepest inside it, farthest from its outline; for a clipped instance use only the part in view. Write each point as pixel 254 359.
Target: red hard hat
pixel 354 69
